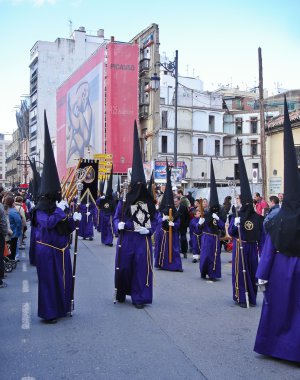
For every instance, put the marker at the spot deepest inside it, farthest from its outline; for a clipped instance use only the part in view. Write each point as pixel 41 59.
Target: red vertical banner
pixel 121 102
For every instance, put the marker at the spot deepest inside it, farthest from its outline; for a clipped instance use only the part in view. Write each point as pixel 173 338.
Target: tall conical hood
pixel 213 200
pixel 102 185
pixel 137 174
pixel 291 172
pixel 50 184
pixel 151 182
pixel 284 228
pixel 168 197
pixel 246 195
pixel 109 189
pixel 36 183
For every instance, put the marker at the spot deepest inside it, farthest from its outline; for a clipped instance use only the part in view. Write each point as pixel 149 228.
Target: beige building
pixel 274 151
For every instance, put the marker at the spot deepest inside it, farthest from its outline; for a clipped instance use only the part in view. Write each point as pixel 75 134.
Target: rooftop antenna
pixel 70 27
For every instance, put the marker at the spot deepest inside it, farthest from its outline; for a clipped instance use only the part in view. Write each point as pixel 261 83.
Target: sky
pixel 217 40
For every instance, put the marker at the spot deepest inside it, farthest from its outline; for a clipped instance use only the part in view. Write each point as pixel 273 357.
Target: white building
pixel 199 125
pixel 3 151
pixel 50 64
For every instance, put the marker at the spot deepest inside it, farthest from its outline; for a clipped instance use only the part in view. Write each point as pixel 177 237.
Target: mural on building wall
pixel 82 116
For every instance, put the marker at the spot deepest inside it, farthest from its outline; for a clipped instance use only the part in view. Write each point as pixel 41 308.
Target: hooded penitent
pixel 250 220
pixel 168 197
pixel 36 182
pixel 50 189
pixel 138 192
pixel 108 204
pixel 284 228
pixel 151 184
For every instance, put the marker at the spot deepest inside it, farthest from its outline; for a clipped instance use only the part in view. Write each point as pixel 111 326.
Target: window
pixel 236 171
pixel 217 148
pixel 253 147
pixel 238 125
pixel 164 119
pixel 211 123
pixel 164 144
pixel 200 147
pixel 253 125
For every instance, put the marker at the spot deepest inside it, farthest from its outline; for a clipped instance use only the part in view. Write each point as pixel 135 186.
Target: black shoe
pixel 203 276
pixel 185 255
pixel 243 305
pixel 109 245
pixel 179 270
pixel 90 239
pixel 139 305
pixel 50 321
pixel 194 261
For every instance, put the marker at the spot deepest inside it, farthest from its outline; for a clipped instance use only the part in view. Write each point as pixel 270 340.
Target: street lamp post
pixel 172 68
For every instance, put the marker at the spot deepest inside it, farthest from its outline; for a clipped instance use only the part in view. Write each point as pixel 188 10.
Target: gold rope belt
pixel 63 257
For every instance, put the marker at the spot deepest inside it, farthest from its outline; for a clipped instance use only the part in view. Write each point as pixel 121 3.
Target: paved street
pixel 193 330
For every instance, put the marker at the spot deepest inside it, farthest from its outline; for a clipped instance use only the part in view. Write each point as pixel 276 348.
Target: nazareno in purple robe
pixel 195 237
pixel 86 226
pixel 210 259
pixel 278 333
pixel 162 247
pixel 250 253
pixel 134 259
pixel 54 268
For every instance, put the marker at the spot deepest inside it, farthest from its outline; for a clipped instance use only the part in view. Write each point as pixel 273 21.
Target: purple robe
pixel 162 247
pixel 278 333
pixel 195 237
pixel 86 226
pixel 134 260
pixel 107 234
pixel 54 268
pixel 210 258
pixel 250 253
pixel 32 245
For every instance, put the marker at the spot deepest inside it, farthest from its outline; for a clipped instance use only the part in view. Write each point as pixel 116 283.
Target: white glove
pixel 88 213
pixel 87 205
pixel 171 223
pixel 215 216
pixel 262 282
pixel 237 221
pixel 157 207
pixel 201 221
pixel 62 205
pixel 165 217
pixel 144 231
pixel 102 197
pixel 121 225
pixel 77 216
